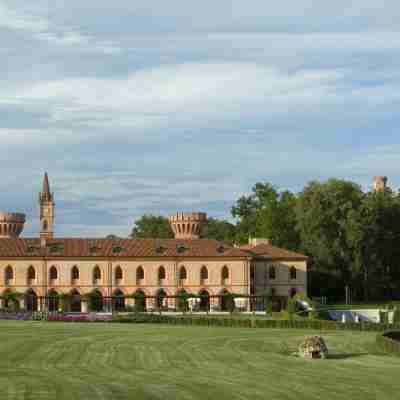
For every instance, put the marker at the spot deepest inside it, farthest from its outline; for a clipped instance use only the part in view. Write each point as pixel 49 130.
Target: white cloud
pixel 12 19
pixel 45 29
pixel 227 15
pixel 194 88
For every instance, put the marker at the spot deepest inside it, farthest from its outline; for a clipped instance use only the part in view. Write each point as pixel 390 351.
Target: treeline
pixel 351 237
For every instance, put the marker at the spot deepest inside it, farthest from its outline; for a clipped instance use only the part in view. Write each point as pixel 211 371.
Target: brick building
pixel 45 267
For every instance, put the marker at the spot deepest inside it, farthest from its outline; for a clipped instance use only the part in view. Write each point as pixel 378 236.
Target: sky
pixel 163 106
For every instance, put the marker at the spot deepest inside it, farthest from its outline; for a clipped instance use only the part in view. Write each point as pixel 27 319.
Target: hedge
pixel 252 322
pixel 389 342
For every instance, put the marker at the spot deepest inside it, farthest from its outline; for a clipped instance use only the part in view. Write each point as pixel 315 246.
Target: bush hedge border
pixel 253 323
pixel 387 344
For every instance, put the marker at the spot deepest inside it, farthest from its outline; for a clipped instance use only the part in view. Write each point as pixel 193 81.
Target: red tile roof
pixel 272 252
pixel 65 247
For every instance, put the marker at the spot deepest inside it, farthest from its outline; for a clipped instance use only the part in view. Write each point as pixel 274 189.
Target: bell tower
pixel 46 203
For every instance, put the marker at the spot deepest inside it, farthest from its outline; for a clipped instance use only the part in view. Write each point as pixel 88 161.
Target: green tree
pixel 151 226
pixel 322 214
pixel 267 213
pixel 182 301
pixel 374 233
pixel 219 230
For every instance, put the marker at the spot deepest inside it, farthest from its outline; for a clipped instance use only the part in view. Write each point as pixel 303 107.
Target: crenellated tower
pixel 46 203
pixel 187 225
pixel 380 183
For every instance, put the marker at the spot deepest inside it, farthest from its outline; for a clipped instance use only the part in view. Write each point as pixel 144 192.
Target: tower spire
pixel 46 203
pixel 46 186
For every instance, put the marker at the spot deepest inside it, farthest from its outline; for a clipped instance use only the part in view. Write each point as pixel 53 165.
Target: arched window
pixel 118 300
pixel 53 300
pixel 272 272
pixel 203 273
pixel 8 275
pixel 182 273
pixel 139 274
pixel 75 273
pixel 224 275
pixel 53 274
pixel 31 300
pixel 31 274
pixel 75 302
pixel 292 273
pixel 45 225
pixel 204 300
pixel 118 274
pixel 161 273
pixel 96 275
pixel 95 301
pixel 225 301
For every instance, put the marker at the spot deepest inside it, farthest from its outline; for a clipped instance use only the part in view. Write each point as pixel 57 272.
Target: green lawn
pixel 126 361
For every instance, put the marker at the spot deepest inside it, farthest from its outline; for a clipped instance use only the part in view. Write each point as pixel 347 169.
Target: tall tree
pixel 374 233
pixel 152 226
pixel 322 212
pixel 267 213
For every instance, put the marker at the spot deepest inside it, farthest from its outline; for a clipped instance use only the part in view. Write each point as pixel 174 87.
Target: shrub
pixel 268 305
pixel 64 301
pixel 140 302
pixel 229 301
pixel 182 301
pixel 12 298
pixel 388 342
pixel 281 315
pixel 95 301
pixel 291 307
pixel 396 315
pixel 313 314
pixel 40 316
pixel 383 317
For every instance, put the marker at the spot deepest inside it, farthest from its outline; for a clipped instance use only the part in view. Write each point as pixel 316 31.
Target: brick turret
pixel 380 183
pixel 187 225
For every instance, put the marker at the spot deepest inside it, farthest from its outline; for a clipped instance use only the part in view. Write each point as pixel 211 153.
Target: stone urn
pixel 313 347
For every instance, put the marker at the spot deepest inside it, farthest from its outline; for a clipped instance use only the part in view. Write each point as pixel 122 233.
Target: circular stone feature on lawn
pixel 313 347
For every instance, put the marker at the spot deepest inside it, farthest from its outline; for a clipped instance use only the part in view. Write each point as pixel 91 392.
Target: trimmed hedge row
pixel 389 342
pixel 252 322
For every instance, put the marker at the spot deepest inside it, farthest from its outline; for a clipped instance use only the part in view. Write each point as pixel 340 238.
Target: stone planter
pixel 313 347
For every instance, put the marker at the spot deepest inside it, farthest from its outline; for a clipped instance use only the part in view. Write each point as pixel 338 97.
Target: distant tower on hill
pixel 380 183
pixel 46 204
pixel 187 225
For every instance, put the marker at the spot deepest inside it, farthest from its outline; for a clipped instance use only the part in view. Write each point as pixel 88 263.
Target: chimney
pixel 253 242
pixel 187 225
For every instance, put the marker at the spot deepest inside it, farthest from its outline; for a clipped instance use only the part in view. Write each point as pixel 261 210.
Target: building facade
pixel 41 270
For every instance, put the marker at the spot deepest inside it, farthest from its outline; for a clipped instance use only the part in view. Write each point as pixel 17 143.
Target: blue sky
pixel 175 105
